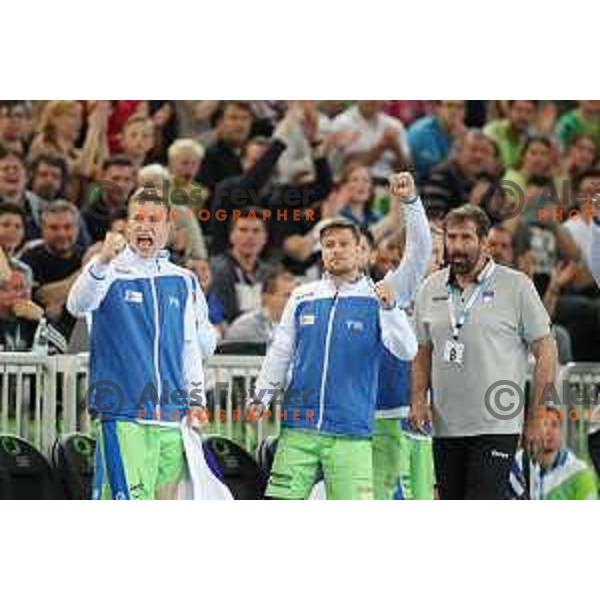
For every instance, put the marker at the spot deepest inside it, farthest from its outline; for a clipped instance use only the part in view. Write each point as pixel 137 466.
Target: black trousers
pixel 475 467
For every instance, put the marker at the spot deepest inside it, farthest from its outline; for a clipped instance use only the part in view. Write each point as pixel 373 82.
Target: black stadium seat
pixel 73 461
pixel 241 348
pixel 24 472
pixel 238 470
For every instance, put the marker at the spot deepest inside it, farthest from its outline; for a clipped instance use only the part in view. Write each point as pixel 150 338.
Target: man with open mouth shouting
pixel 149 334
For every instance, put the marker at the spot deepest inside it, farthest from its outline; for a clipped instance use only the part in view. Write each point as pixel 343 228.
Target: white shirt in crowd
pixel 370 133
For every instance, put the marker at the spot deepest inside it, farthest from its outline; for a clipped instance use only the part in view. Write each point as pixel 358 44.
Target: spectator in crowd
pixel 583 119
pixel 216 312
pixel 138 140
pixel 355 199
pixel 119 113
pixel 108 194
pixel 19 316
pixel 238 273
pixel 537 227
pixel 295 165
pixel 510 134
pixel 14 121
pixel 164 119
pixel 580 221
pixel 12 233
pixel 559 475
pixel 55 261
pixel 560 277
pixel 232 123
pixel 380 142
pixel 580 157
pixel 12 228
pixel 386 254
pixel 48 177
pixel 408 111
pixel 59 132
pixel 535 161
pixel 450 182
pixel 185 157
pixel 431 137
pixel 259 325
pixel 13 178
pixel 500 245
pixel 578 302
pixel 194 117
pixel 291 206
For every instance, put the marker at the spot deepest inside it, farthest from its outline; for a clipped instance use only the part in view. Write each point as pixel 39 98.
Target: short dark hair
pixel 501 227
pixel 254 213
pixel 57 162
pixel 269 285
pixel 59 207
pixel 119 160
pixel 12 209
pixel 534 139
pixel 339 223
pixel 471 213
pixel 6 151
pixel 217 116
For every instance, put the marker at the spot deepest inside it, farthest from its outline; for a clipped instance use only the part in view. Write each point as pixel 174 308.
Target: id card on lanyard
pixel 454 350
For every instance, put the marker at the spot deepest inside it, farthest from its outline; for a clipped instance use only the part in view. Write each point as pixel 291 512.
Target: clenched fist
pixel 402 186
pixel 112 245
pixel 384 294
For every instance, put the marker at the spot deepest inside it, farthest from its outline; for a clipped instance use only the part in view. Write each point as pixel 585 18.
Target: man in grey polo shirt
pixel 476 323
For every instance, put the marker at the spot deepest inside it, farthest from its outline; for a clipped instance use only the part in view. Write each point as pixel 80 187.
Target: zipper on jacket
pixel 326 361
pixel 156 337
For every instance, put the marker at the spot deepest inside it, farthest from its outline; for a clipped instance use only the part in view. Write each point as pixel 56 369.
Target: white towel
pixel 200 483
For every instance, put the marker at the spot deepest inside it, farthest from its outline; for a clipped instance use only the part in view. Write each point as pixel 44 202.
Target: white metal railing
pixel 42 397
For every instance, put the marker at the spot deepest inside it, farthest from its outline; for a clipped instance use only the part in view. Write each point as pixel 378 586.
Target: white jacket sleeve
pixel 197 320
pixel 279 357
pixel 397 334
pixel 405 280
pixel 199 342
pixel 90 288
pixel 595 251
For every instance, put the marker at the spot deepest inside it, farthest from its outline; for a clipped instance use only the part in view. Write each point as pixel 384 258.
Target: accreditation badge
pixel 454 352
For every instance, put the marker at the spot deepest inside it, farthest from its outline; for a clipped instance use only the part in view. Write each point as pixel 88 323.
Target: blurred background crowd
pixel 67 169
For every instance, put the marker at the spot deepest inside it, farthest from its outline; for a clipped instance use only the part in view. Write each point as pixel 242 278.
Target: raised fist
pixel 112 245
pixel 402 186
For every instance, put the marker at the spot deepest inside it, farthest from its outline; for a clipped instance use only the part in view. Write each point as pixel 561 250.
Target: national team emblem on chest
pixel 307 319
pixel 134 296
pixel 174 301
pixel 355 325
pixel 488 296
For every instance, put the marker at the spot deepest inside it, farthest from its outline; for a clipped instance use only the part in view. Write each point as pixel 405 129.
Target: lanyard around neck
pixel 457 323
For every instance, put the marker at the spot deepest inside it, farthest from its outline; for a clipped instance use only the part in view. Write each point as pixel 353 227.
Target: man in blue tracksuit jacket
pixel 331 338
pixel 149 334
